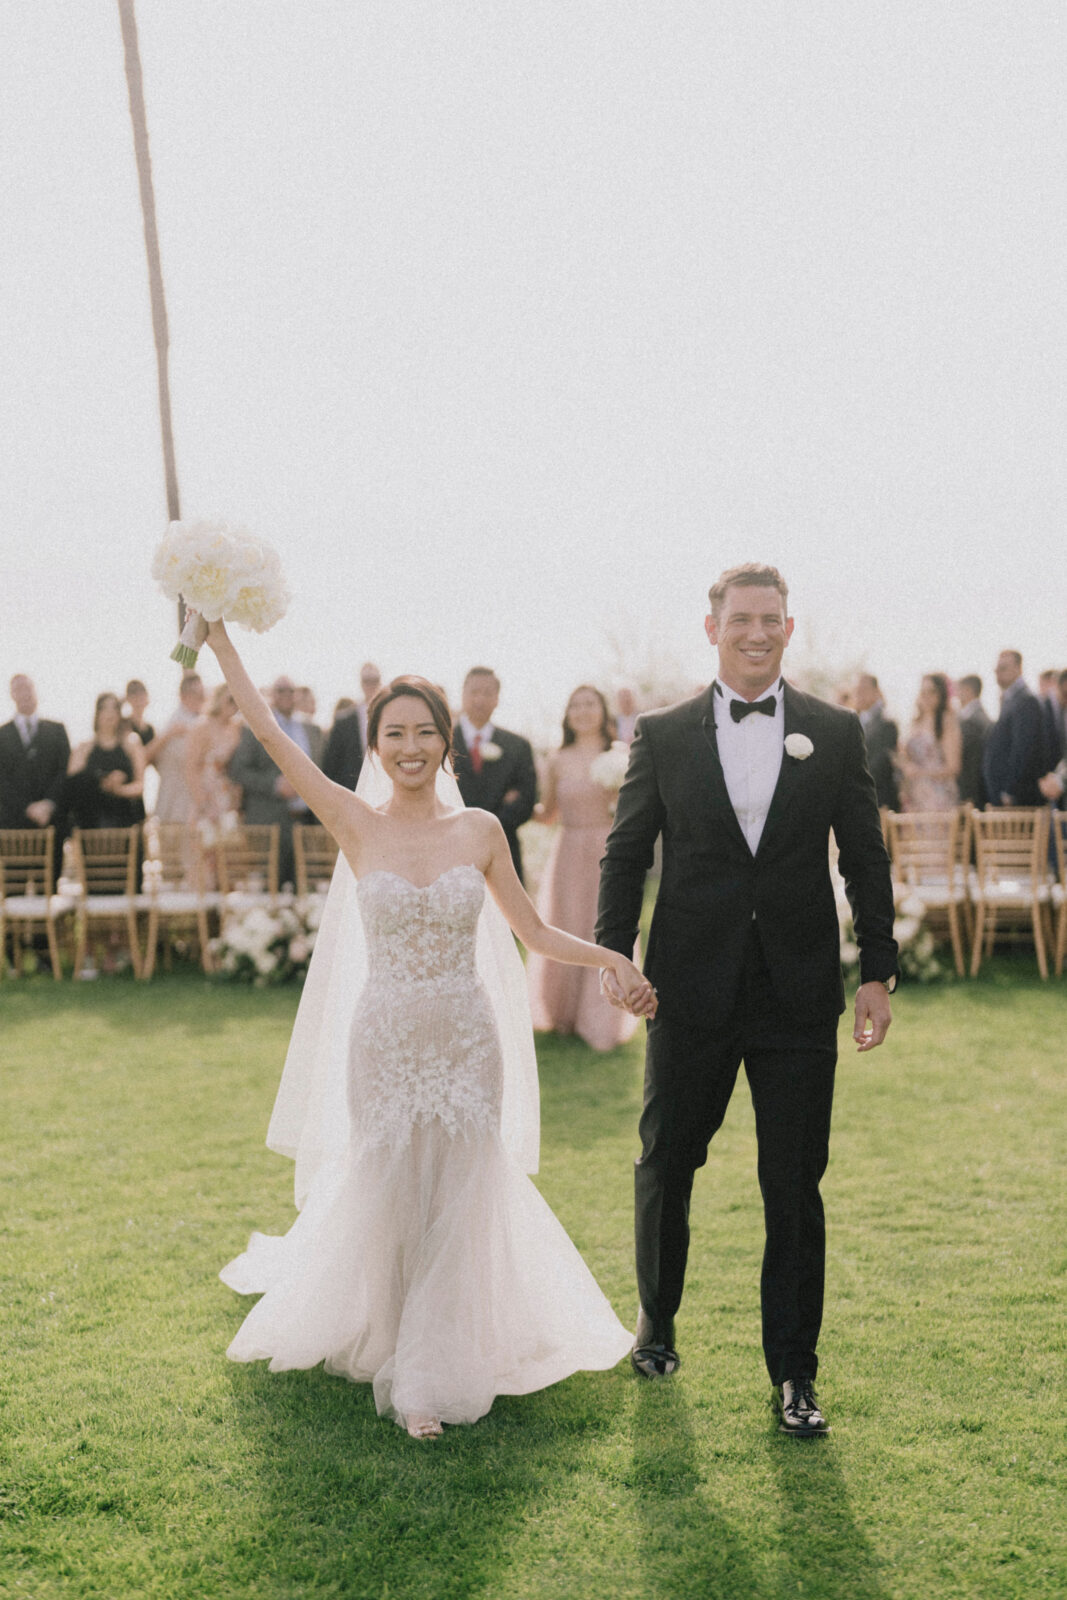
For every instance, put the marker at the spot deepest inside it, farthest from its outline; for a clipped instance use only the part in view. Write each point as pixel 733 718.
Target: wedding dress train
pixel 424 1260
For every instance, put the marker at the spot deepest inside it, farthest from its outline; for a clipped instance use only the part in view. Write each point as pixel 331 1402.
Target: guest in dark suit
pixel 268 796
pixel 974 730
pixel 33 762
pixel 1014 757
pixel 1052 710
pixel 494 768
pixel 880 736
pixel 744 785
pixel 343 755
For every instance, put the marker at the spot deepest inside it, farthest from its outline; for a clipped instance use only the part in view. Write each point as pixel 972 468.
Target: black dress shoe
pixel 654 1360
pixel 798 1409
pixel 653 1354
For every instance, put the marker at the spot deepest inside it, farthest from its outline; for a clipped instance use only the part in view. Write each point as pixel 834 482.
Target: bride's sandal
pixel 424 1427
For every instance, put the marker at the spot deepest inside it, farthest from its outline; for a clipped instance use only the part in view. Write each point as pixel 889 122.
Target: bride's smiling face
pixel 410 747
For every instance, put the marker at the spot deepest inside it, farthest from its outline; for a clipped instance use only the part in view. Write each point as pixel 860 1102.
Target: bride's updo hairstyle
pixel 418 688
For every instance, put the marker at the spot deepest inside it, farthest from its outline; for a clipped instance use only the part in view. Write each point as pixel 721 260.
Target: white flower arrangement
pixel 490 751
pixel 799 746
pixel 219 571
pixel 917 948
pixel 608 769
pixel 262 947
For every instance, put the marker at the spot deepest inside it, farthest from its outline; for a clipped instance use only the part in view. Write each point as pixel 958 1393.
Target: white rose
pixel 491 751
pixel 798 745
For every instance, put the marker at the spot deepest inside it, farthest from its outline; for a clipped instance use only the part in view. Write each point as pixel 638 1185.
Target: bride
pixel 423 1261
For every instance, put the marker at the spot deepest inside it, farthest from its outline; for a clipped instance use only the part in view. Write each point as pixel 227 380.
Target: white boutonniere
pixel 798 745
pixel 491 751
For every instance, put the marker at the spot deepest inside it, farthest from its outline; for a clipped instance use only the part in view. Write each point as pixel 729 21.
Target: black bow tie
pixel 739 709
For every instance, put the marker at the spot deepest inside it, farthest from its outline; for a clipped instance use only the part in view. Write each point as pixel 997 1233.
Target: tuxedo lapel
pixel 710 772
pixel 790 774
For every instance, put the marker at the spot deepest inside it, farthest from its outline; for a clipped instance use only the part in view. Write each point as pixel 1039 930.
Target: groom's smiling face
pixel 750 633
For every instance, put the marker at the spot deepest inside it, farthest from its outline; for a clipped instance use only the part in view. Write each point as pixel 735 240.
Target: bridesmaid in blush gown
pixel 423 1261
pixel 933 751
pixel 568 999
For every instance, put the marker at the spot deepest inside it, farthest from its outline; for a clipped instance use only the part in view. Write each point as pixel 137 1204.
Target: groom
pixel 745 785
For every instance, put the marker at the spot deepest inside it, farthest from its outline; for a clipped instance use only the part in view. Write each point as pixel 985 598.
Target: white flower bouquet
pixel 219 571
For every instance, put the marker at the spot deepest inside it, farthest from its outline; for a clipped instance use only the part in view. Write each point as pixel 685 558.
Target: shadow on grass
pixel 348 1504
pixel 687 1544
pixel 822 1551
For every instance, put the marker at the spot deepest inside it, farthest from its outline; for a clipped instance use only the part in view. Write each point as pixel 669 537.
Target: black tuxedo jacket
pixel 34 774
pixel 513 769
pixel 343 755
pixel 712 886
pixel 1015 755
pixel 880 736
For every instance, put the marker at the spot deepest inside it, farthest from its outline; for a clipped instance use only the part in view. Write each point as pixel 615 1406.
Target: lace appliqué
pixel 424 1040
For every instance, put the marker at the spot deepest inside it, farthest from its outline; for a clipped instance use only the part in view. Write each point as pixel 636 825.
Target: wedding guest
pixel 974 728
pixel 1055 736
pixel 625 714
pixel 343 755
pixel 494 768
pixel 266 794
pixel 305 707
pixel 370 682
pixel 166 752
pixel 930 760
pixel 137 703
pixel 1054 782
pixel 1014 755
pixel 209 747
pixel 33 762
pixel 105 774
pixel 568 999
pixel 880 735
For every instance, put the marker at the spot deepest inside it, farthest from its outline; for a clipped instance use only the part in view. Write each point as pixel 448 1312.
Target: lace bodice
pixel 424 1045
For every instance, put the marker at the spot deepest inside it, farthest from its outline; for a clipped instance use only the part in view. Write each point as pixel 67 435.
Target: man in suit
pixel 347 742
pixel 744 785
pixel 494 768
pixel 33 762
pixel 267 795
pixel 1014 757
pixel 880 736
pixel 974 730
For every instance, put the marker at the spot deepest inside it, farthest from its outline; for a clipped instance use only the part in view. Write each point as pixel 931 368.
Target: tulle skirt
pixel 435 1272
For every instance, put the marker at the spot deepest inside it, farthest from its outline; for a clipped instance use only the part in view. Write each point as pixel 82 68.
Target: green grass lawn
pixel 135 1460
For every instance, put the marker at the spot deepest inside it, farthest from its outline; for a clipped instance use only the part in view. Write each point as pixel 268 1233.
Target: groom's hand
pixel 873 1015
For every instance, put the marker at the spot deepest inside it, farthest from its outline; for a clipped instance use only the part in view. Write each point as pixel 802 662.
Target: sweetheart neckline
pixel 420 888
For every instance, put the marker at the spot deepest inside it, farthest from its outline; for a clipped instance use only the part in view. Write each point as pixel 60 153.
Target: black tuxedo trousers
pixel 690 1074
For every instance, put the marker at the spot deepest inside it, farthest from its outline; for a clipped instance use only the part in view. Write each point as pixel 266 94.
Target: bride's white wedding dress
pixel 424 1260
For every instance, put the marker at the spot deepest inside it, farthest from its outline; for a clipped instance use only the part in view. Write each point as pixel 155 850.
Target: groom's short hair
pixel 751 575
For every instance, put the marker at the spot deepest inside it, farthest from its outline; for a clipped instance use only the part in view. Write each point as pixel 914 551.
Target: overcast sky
pixel 513 324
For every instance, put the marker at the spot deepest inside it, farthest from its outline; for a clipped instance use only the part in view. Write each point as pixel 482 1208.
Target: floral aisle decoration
pixel 264 946
pixel 219 571
pixel 919 960
pixel 608 769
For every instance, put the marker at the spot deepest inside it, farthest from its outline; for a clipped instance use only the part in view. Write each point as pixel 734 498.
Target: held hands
pixel 873 1015
pixel 628 989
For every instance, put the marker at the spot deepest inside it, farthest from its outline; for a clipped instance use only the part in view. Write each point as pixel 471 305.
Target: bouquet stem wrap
pixel 192 636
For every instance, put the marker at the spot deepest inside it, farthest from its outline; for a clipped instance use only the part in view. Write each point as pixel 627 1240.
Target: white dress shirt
pixel 750 753
pixel 27 727
pixel 470 733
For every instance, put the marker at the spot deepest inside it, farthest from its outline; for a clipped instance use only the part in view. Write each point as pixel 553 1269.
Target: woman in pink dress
pixel 568 999
pixel 930 760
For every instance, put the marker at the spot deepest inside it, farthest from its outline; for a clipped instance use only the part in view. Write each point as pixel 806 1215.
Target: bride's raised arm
pixel 336 807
